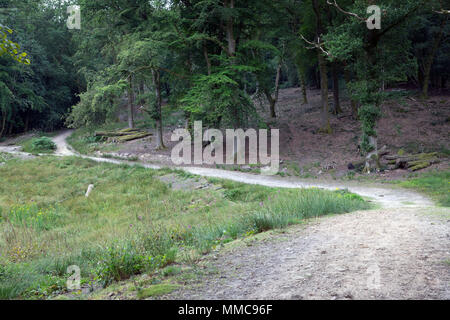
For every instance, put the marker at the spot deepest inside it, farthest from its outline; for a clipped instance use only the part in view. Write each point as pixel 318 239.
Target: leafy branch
pixel 10 47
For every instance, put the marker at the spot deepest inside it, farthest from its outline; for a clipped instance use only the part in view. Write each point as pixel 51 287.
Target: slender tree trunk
pixel 272 103
pixel 430 58
pixel 208 61
pixel 157 113
pixel 277 82
pixel 130 103
pixel 230 30
pixel 273 100
pixel 373 83
pixel 27 121
pixel 326 126
pixel 3 123
pixel 337 107
pixel 302 78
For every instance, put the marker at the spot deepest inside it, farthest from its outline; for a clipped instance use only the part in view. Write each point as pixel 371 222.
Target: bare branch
pixel 334 3
pixel 314 45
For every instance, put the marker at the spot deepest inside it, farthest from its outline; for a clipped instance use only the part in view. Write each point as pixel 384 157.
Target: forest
pixel 91 92
pixel 212 58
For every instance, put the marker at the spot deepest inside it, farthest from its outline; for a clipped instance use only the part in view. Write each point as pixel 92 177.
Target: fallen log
pixel 123 135
pixel 412 157
pixel 129 130
pixel 412 162
pixel 114 133
pixel 131 137
pixel 421 164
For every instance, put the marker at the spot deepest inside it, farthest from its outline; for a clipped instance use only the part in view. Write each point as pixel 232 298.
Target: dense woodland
pixel 212 59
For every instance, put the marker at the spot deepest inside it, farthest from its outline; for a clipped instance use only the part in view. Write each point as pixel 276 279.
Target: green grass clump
pixel 131 223
pixel 436 184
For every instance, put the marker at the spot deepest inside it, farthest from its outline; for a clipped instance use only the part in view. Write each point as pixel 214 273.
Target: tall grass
pixel 131 223
pixel 32 216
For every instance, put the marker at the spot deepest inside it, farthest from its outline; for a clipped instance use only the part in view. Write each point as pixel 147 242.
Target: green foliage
pixel 373 56
pixel 97 105
pixel 10 47
pixel 36 95
pixel 218 100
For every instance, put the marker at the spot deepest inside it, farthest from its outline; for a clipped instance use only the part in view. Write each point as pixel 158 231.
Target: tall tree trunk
pixel 430 58
pixel 273 100
pixel 272 103
pixel 326 126
pixel 208 61
pixel 130 103
pixel 27 122
pixel 373 85
pixel 2 130
pixel 230 30
pixel 302 79
pixel 157 112
pixel 337 107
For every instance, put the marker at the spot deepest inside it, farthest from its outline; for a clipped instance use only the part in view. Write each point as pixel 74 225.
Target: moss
pixel 426 156
pixel 156 290
pixel 420 164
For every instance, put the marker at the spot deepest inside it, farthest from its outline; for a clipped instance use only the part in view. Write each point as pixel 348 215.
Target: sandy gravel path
pixel 379 254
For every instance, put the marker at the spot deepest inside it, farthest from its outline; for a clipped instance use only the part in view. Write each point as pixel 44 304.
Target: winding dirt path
pixel 384 195
pixel 401 251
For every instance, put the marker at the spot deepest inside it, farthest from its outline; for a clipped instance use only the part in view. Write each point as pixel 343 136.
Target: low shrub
pixel 42 144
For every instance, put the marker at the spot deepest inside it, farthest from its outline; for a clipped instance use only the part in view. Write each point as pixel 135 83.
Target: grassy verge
pixel 435 184
pixel 130 224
